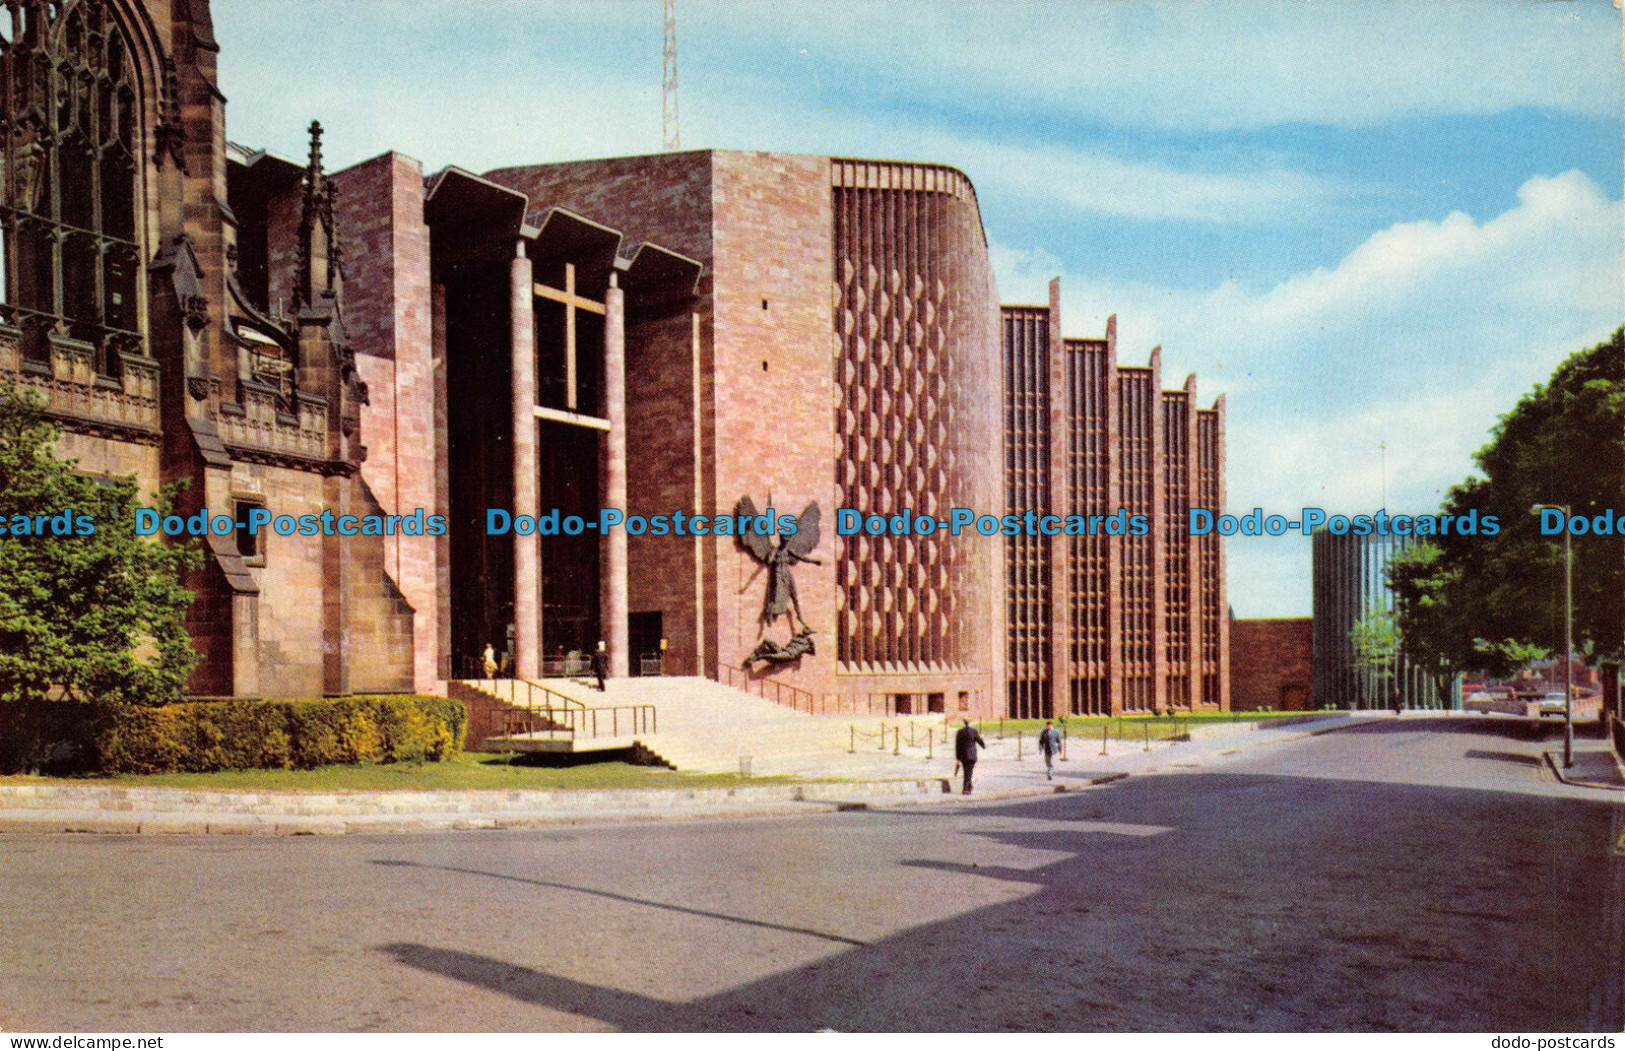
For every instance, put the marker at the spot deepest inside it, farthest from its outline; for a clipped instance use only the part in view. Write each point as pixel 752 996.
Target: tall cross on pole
pixel 668 122
pixel 1383 447
pixel 572 301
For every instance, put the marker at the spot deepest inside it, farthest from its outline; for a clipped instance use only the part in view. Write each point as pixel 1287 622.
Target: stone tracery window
pixel 271 364
pixel 70 254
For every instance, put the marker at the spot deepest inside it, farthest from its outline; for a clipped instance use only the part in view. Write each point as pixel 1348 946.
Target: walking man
pixel 966 741
pixel 600 665
pixel 1049 742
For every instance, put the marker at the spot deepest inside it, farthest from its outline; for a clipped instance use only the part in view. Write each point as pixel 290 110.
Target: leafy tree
pixel 96 616
pixel 1376 638
pixel 1494 603
pixel 1377 646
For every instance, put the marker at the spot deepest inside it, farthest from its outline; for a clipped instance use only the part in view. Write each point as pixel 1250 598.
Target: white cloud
pixel 1228 65
pixel 1419 338
pixel 1093 182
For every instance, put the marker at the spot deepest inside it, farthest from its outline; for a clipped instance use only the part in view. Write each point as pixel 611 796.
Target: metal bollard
pixel 896 740
pixel 1105 730
pixel 852 740
pixel 1148 737
pixel 1018 746
pixel 930 744
pixel 882 737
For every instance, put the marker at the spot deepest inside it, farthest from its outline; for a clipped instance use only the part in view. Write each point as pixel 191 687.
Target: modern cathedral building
pixel 680 336
pixel 1131 616
pixel 670 335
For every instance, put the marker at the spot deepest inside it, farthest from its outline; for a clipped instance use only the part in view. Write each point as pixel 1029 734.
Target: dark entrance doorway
pixel 567 464
pixel 644 633
pixel 479 422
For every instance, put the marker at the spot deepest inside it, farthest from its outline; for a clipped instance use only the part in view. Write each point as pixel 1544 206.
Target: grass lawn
pixel 469 770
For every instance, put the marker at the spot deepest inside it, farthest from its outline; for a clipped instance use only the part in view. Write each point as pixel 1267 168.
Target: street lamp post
pixel 1568 633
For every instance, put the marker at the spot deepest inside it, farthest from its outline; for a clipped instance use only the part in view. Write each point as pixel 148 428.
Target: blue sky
pixel 1364 223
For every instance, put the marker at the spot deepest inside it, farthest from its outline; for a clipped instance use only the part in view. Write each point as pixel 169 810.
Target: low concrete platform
pixel 557 744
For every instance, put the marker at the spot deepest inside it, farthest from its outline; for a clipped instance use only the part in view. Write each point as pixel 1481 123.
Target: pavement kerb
pixel 128 822
pixel 110 810
pixel 45 822
pixel 122 798
pixel 1562 775
pixel 1048 788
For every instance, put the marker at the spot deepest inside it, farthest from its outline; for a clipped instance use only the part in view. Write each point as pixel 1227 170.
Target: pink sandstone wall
pixel 387 316
pixel 774 398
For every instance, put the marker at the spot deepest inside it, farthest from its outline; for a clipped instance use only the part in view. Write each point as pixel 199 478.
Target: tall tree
pixel 1491 603
pixel 97 612
pixel 1378 644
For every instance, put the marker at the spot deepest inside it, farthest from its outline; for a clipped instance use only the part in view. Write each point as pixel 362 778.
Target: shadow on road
pixel 1509 727
pixel 627 899
pixel 1519 758
pixel 1275 904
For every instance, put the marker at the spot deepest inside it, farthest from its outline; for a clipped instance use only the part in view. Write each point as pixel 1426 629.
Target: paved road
pixel 1411 874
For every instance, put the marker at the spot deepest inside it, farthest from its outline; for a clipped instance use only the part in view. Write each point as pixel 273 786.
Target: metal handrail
pixel 796 693
pixel 549 692
pixel 572 718
pixel 609 721
pixel 509 691
pixel 567 667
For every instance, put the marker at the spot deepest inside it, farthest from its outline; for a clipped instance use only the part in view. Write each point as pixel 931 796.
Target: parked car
pixel 1484 702
pixel 1553 704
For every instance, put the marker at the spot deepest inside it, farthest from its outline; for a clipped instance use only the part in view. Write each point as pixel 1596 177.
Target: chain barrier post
pixel 852 740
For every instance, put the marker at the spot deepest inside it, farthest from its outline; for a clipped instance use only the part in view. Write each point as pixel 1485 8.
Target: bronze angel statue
pixel 779 558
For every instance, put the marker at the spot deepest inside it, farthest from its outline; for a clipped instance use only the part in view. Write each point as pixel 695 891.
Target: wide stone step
pixel 705 726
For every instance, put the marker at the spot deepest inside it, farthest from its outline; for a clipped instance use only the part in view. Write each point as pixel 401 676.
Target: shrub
pixel 84 616
pixel 106 737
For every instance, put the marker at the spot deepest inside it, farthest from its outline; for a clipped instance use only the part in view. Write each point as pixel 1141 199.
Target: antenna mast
pixel 668 122
pixel 1384 453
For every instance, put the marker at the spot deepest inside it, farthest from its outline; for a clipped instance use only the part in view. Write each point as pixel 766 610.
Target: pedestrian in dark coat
pixel 600 666
pixel 966 741
pixel 1049 743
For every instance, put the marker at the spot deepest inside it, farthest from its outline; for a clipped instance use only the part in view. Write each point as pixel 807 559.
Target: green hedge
pixel 66 737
